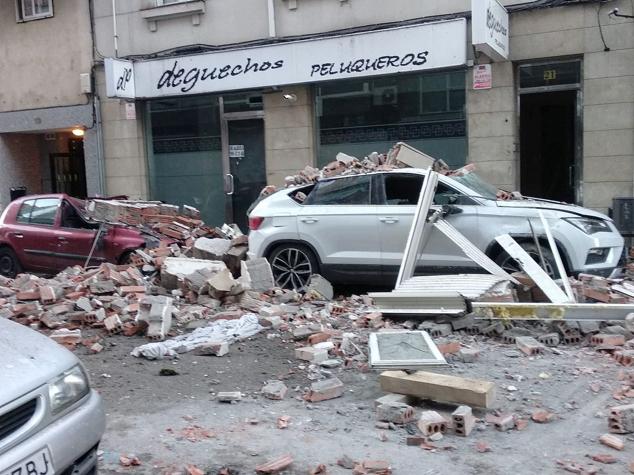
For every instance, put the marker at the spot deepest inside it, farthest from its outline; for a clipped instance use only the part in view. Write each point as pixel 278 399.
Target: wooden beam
pixel 439 387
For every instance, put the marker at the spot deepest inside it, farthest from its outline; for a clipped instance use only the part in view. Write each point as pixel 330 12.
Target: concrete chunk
pixel 275 390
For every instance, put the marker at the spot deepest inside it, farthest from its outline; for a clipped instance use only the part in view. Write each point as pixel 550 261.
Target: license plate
pixel 39 463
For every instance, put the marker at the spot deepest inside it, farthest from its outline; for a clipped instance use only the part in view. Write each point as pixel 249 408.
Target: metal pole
pixel 539 248
pixel 94 244
pixel 271 11
pixel 114 28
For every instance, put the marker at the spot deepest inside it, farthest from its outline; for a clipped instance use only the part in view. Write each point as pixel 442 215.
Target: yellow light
pixel 78 132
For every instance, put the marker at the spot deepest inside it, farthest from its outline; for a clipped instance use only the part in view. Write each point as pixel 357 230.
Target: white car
pixel 51 422
pixel 353 229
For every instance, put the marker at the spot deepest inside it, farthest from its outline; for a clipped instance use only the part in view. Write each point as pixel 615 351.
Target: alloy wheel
pixel 510 265
pixel 292 269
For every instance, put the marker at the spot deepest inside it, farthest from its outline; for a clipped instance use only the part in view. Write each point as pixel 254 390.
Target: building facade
pixel 46 61
pixel 213 101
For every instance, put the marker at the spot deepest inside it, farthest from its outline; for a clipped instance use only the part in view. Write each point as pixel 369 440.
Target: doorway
pixel 243 148
pixel 548 145
pixel 68 172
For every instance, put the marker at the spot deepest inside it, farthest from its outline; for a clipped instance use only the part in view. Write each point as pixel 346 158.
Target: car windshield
pixel 473 181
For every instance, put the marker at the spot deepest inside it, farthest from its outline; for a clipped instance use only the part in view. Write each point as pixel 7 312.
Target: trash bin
pixel 17 192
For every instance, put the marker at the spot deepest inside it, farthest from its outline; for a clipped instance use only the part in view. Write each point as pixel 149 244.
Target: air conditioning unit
pixel 385 96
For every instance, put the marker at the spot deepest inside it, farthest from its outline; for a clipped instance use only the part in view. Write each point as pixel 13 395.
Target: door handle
pixel 229 184
pixel 62 239
pixel 18 235
pixel 389 220
pixel 309 220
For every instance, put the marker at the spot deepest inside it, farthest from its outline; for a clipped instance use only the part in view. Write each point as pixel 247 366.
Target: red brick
pixel 604 339
pixel 318 338
pixel 275 466
pixel 326 389
pixel 542 416
pixel 450 348
pixel 47 294
pixel 612 441
pixel 603 458
pixel 28 295
pixel 132 289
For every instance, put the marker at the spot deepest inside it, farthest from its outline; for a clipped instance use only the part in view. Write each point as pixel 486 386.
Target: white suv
pixel 352 229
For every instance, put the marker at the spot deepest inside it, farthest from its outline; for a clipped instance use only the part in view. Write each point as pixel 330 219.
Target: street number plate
pixel 39 463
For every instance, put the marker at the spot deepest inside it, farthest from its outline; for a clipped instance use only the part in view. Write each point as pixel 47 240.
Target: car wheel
pixel 510 265
pixel 9 264
pixel 293 265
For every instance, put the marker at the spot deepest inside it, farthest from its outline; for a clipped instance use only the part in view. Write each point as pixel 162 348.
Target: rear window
pixel 354 190
pixel 42 211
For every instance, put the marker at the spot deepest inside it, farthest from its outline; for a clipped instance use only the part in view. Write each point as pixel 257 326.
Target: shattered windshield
pixel 473 181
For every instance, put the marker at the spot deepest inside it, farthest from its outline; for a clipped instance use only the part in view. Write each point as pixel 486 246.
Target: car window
pixel 24 213
pixel 71 218
pixel 354 190
pixel 445 195
pixel 401 189
pixel 44 211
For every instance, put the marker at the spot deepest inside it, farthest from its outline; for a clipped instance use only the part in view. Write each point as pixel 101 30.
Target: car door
pixel 75 239
pixel 398 200
pixel 339 220
pixel 34 237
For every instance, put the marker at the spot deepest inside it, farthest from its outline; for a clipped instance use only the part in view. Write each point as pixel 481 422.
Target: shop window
pixel 34 9
pixel 342 191
pixel 362 116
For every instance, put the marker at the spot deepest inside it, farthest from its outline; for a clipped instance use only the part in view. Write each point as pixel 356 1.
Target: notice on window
pixel 236 151
pixel 482 76
pixel 130 111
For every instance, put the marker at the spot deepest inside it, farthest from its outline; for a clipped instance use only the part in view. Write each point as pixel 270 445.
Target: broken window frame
pixel 375 359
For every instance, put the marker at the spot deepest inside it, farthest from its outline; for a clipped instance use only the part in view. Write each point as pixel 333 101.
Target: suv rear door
pixel 398 196
pixel 339 220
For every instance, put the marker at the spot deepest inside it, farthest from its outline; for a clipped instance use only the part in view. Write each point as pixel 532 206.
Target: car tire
pixel 9 263
pixel 509 264
pixel 293 265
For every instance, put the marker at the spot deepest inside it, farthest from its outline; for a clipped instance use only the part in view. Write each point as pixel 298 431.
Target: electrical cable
pixel 605 46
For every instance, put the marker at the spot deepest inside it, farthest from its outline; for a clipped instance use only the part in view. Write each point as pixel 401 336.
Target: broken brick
pixel 529 345
pixel 431 422
pixel 612 441
pixel 542 416
pixel 323 390
pixel 463 420
pixel 275 466
pixel 621 419
pixel 396 412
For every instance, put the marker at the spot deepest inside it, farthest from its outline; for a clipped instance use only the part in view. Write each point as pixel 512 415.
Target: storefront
pixel 212 141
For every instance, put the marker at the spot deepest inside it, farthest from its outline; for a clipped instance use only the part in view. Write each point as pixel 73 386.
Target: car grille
pixel 16 418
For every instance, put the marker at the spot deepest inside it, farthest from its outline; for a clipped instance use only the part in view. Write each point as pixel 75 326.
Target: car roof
pixel 414 171
pixel 22 199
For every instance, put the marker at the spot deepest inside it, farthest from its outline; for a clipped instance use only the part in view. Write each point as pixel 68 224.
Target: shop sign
pixel 490 29
pixel 236 151
pixel 119 78
pixel 482 77
pixel 414 48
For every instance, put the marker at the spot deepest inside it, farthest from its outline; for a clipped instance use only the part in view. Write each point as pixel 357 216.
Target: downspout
pixel 101 166
pixel 115 36
pixel 271 11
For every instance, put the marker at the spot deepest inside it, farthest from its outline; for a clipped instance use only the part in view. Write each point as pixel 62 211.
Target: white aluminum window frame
pixel 162 3
pixel 22 16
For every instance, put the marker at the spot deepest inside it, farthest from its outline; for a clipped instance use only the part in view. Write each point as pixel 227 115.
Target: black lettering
pixel 421 58
pixel 409 57
pixel 224 71
pixel 166 77
pixel 17 471
pixel 45 459
pixel 250 67
pixel 190 78
pixel 323 71
pixel 181 72
pixel 237 69
pixel 332 69
pixel 31 469
pixel 345 69
pixel 278 64
pixel 265 65
pixel 357 66
pixel 314 69
pixel 382 62
pixel 393 61
pixel 211 75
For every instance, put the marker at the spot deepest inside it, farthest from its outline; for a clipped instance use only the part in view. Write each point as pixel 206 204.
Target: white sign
pixel 490 28
pixel 236 151
pixel 413 48
pixel 482 77
pixel 119 78
pixel 130 111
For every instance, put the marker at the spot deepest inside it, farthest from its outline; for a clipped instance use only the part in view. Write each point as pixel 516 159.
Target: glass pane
pixel 402 189
pixel 27 8
pixel 242 102
pixel 25 212
pixel 552 74
pixel 427 111
pixel 342 191
pixel 42 7
pixel 44 211
pixel 186 155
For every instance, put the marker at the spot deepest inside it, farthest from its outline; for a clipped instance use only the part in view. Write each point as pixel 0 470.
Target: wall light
pixel 78 132
pixel 290 97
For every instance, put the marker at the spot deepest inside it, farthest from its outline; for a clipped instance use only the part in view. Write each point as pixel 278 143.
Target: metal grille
pixel 16 418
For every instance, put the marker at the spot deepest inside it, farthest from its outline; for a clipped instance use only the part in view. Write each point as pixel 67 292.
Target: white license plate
pixel 39 463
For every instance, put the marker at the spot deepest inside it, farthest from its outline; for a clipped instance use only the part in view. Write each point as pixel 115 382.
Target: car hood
pixel 28 360
pixel 552 205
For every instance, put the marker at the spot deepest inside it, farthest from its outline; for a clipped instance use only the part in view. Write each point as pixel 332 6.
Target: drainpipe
pixel 101 166
pixel 115 36
pixel 271 11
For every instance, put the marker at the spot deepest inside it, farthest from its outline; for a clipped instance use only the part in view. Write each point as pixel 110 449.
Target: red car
pixel 47 233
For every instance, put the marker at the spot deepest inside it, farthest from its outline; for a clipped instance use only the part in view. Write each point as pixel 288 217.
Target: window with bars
pixel 34 9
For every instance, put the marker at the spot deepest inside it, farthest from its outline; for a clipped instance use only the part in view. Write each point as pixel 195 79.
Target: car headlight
pixel 68 388
pixel 589 225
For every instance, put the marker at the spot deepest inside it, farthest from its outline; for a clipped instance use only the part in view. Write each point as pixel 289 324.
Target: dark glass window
pixel 402 189
pixel 553 74
pixel 341 191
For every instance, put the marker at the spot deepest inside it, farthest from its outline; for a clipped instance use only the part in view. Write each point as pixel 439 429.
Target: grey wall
pixel 20 164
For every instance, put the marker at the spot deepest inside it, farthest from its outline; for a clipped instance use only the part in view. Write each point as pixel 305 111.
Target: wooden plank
pixel 535 272
pixel 439 387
